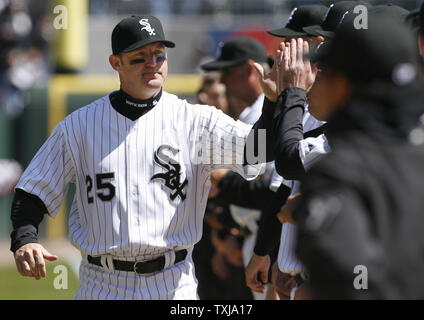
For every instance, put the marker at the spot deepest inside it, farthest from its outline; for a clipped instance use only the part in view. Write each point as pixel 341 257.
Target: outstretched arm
pixel 39 191
pixel 295 77
pixel 234 189
pixel 27 213
pixel 289 132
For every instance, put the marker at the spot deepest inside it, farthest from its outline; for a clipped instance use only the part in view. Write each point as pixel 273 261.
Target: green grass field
pixel 15 287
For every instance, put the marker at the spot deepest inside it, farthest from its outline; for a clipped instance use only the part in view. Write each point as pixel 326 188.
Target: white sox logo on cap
pixel 291 15
pixel 342 19
pixel 328 11
pixel 147 27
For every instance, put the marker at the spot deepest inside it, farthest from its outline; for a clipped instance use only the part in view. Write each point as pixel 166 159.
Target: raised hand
pixel 293 69
pixel 267 80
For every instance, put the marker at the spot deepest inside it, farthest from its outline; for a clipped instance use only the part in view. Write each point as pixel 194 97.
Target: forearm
pixel 269 227
pixel 289 131
pixel 26 214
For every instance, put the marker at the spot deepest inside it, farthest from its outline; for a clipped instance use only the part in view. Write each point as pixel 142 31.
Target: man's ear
pixel 421 45
pixel 251 67
pixel 115 62
pixel 342 89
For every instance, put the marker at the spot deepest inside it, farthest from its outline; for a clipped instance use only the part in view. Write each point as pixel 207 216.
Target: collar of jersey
pixel 130 107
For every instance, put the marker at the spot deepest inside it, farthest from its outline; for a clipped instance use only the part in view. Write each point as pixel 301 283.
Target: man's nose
pixel 151 61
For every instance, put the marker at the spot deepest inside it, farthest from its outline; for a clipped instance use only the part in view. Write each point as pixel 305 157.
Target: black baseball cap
pixel 413 19
pixel 137 31
pixel 332 18
pixel 300 17
pixel 368 55
pixel 319 54
pixel 236 51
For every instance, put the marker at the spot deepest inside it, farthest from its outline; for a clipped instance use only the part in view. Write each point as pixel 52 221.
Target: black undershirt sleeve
pixel 26 214
pixel 289 131
pixel 269 232
pixel 266 122
pixel 234 189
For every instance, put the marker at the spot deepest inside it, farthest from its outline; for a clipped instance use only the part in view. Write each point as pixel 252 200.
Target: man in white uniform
pixel 141 160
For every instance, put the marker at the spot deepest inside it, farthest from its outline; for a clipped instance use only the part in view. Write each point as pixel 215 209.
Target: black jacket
pixel 363 203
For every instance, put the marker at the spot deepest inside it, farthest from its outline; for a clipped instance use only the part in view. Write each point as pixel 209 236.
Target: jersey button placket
pixel 132 169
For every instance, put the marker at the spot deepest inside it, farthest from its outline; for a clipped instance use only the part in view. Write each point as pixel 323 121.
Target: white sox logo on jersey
pixel 172 176
pixel 147 27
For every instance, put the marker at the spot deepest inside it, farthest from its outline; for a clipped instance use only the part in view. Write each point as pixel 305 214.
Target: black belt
pixel 139 267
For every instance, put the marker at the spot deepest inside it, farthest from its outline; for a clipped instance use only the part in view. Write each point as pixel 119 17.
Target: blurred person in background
pixel 288 168
pixel 420 23
pixel 213 93
pixel 362 204
pixel 217 256
pixel 245 98
pixel 10 173
pixel 372 112
pixel 23 43
pixel 288 268
pixel 235 64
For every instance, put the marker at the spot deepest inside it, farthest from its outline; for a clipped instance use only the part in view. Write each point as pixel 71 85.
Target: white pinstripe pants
pixel 177 282
pixel 287 260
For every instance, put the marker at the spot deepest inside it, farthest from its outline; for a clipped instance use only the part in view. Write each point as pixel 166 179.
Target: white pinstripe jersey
pixel 310 149
pixel 140 187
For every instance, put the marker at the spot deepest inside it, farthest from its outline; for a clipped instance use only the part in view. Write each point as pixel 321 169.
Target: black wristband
pixel 23 235
pixel 26 214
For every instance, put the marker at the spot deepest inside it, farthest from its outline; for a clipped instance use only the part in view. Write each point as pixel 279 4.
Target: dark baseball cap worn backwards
pixel 236 51
pixel 300 17
pixel 137 31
